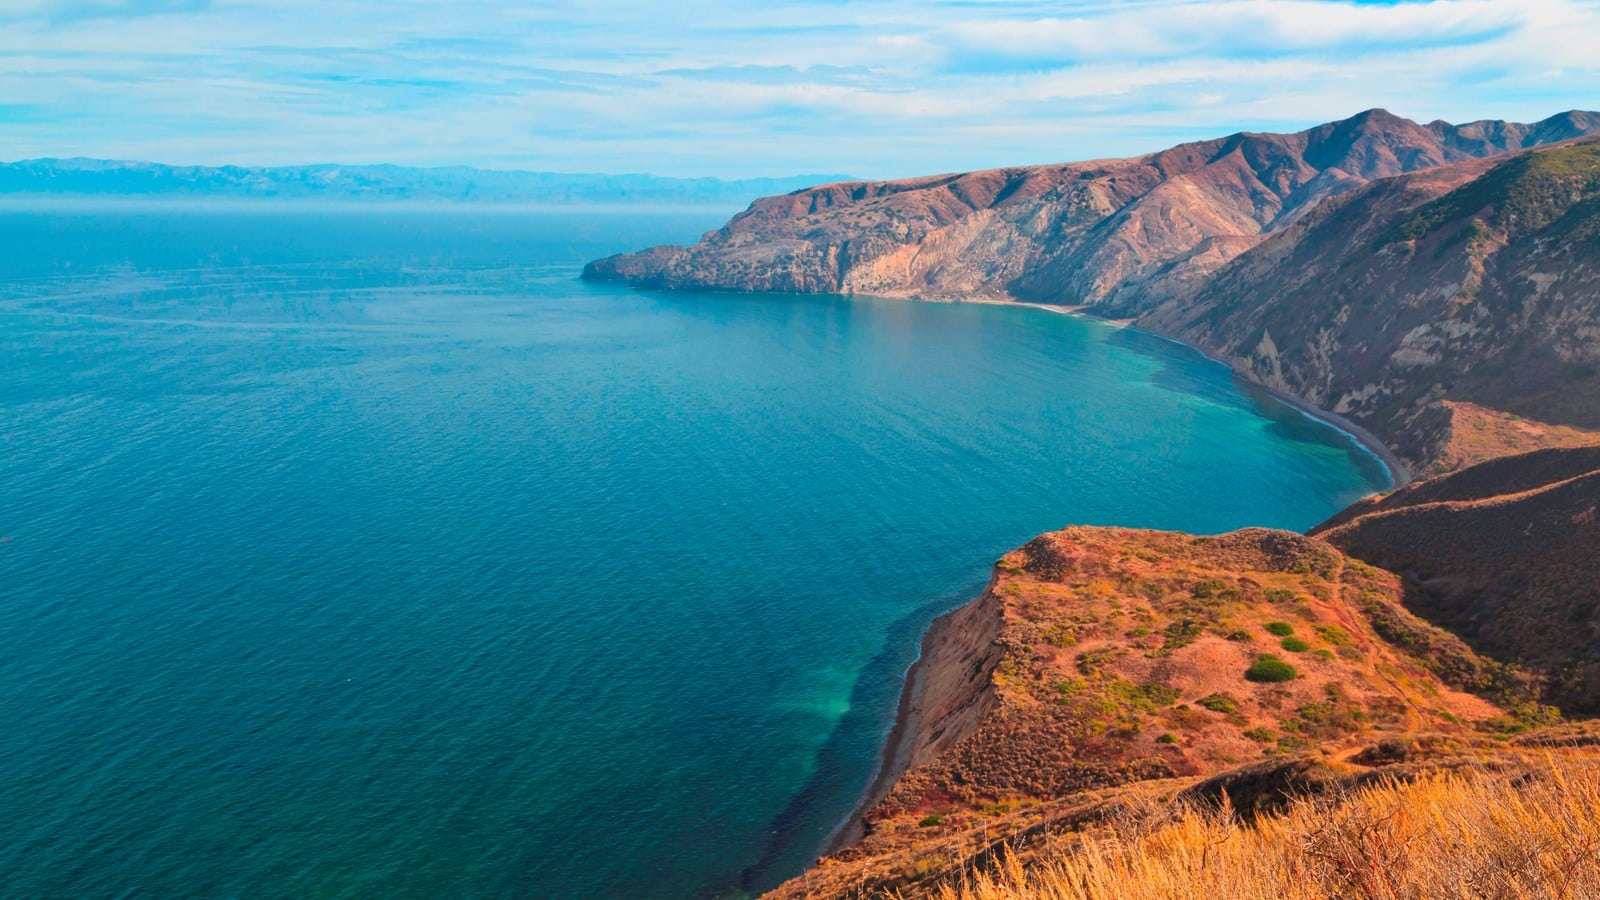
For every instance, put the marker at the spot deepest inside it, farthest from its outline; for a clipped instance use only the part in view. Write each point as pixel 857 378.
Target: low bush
pixel 1268 669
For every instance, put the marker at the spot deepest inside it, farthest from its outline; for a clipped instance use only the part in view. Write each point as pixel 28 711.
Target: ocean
pixel 367 552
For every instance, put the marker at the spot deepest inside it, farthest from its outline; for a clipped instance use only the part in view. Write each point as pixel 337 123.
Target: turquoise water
pixel 373 554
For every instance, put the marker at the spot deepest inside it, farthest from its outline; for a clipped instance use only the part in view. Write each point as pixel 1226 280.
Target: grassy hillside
pixel 1525 833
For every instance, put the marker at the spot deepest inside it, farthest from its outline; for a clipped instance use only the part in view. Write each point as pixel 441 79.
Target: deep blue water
pixel 373 554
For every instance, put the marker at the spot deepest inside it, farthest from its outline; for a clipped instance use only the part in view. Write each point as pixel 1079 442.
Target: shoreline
pixel 1399 472
pixel 896 747
pixel 894 757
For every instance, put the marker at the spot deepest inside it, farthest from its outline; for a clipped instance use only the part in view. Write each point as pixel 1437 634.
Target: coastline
pixel 1399 472
pixel 896 753
pixel 895 756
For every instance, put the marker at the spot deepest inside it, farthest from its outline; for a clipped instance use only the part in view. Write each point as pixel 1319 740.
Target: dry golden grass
pixel 1478 834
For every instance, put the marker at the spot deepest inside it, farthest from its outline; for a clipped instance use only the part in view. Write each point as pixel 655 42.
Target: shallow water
pixel 373 554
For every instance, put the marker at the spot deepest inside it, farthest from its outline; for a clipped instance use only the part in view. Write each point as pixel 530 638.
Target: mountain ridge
pixel 1065 233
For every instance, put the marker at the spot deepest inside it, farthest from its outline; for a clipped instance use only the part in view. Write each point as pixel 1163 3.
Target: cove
pixel 370 552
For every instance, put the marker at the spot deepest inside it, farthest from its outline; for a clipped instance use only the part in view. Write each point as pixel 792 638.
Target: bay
pixel 368 552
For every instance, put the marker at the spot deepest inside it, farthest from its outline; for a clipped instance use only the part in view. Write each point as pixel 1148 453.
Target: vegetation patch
pixel 1294 645
pixel 1333 634
pixel 1268 669
pixel 1221 703
pixel 1281 629
pixel 1181 633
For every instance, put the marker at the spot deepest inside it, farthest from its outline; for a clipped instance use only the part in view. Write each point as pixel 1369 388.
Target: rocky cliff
pixel 1384 270
pixel 1101 232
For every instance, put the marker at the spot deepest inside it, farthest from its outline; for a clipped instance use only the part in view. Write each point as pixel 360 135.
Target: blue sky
pixel 869 87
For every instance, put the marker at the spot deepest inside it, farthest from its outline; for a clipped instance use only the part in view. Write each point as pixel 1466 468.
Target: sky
pixel 738 88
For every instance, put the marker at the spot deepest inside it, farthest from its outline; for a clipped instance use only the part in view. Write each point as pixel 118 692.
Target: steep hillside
pixel 1476 283
pixel 1112 681
pixel 1107 231
pixel 1505 554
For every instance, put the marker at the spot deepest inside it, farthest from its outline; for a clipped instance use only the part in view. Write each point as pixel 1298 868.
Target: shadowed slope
pixel 1506 553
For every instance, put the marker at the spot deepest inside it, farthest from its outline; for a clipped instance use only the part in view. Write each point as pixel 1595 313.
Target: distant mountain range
pixel 453 184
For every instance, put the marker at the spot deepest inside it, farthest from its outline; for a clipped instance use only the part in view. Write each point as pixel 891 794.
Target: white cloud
pixel 878 87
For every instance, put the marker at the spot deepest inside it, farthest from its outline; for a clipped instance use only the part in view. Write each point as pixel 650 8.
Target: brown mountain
pixel 1402 275
pixel 1106 231
pixel 1475 283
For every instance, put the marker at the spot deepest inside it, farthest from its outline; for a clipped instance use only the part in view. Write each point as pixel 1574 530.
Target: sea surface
pixel 370 553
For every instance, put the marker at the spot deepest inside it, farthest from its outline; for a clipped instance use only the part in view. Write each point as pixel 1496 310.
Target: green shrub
pixel 1221 703
pixel 1268 668
pixel 931 821
pixel 1294 645
pixel 1159 694
pixel 1262 735
pixel 1290 743
pixel 1168 738
pixel 1281 629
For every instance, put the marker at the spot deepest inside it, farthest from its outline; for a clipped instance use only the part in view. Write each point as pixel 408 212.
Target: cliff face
pixel 1106 231
pixel 1375 267
pixel 1506 554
